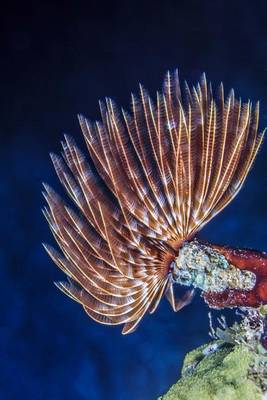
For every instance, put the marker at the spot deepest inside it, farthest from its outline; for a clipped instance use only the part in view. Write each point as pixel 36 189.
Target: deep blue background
pixel 58 60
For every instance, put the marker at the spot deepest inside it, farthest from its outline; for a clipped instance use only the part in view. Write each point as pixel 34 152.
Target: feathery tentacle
pixel 157 175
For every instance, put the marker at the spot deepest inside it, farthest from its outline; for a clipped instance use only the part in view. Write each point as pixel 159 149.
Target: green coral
pixel 221 375
pixel 231 367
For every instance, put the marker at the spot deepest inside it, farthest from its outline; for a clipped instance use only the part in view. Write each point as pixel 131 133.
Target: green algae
pixel 217 372
pixel 232 367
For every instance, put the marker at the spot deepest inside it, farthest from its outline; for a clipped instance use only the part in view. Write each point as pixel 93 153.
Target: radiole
pixel 154 177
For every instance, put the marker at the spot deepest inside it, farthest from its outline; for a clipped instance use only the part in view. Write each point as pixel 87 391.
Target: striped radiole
pixel 153 178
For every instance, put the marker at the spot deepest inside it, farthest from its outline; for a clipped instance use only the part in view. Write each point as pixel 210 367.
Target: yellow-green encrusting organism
pixel 232 367
pixel 223 375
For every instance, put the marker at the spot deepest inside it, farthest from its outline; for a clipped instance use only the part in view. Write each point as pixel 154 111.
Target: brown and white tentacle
pixel 154 177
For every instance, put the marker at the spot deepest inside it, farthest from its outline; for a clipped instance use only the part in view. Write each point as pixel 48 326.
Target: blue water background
pixel 58 59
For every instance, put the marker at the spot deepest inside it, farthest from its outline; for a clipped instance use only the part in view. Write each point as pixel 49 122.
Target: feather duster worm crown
pixel 156 176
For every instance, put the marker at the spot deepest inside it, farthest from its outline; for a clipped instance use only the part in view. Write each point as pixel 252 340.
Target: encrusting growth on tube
pixel 203 267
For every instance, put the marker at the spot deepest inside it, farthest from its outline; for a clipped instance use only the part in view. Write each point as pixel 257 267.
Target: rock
pixel 231 367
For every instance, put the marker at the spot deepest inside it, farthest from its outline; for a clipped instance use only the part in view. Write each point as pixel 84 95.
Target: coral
pixel 231 367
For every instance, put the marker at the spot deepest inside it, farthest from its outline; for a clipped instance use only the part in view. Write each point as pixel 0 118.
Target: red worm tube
pixel 251 260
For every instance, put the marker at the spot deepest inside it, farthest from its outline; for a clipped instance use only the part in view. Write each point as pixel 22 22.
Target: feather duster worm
pixel 155 177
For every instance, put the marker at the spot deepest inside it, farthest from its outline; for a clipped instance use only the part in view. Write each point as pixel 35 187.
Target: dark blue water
pixel 56 61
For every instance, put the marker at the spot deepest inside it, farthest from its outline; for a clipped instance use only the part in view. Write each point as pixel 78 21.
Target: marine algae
pixel 231 367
